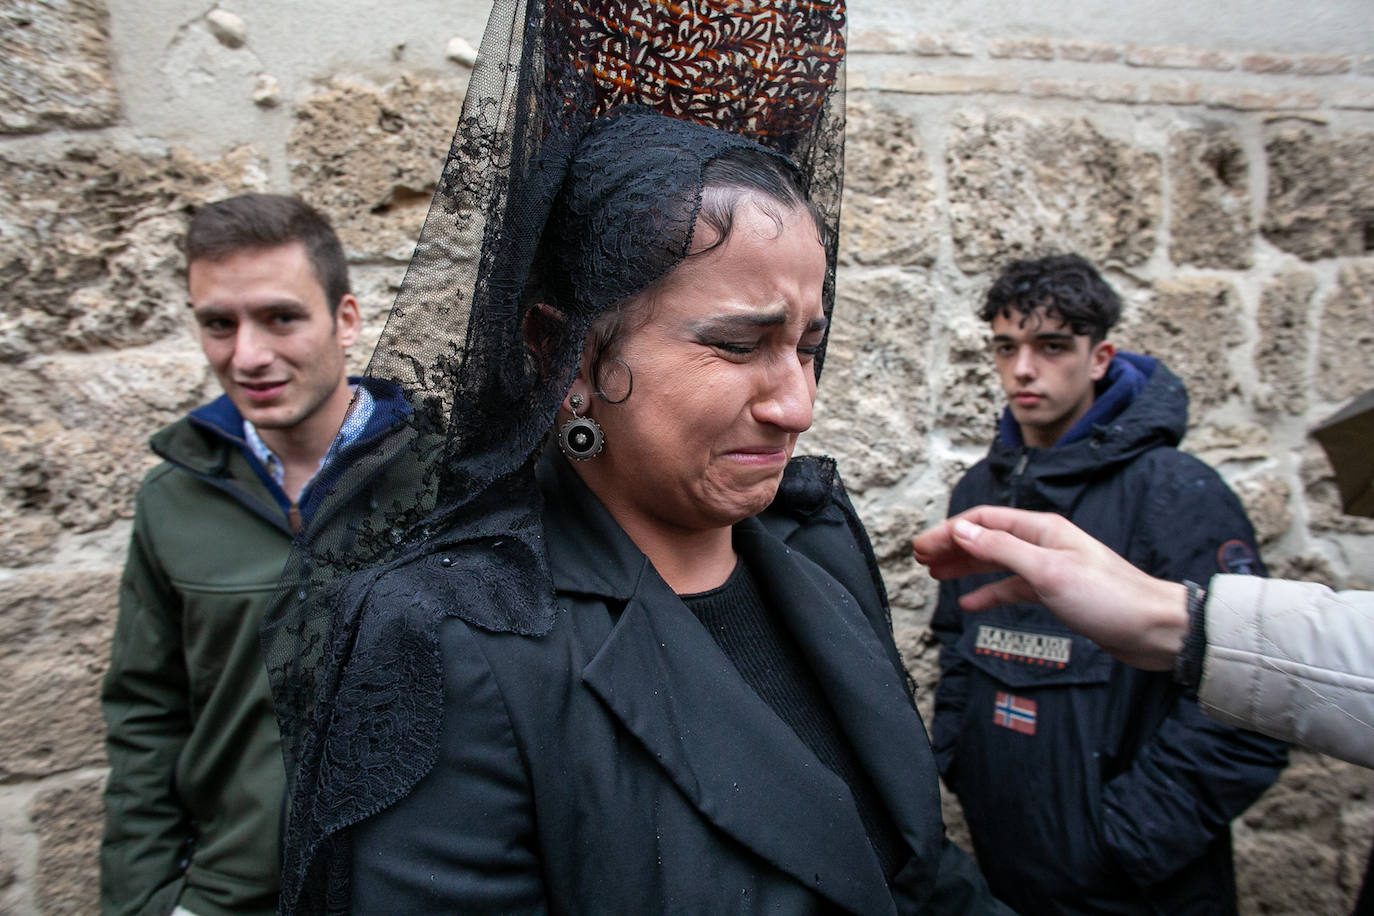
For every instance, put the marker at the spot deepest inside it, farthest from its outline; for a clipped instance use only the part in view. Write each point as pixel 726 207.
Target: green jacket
pixel 194 799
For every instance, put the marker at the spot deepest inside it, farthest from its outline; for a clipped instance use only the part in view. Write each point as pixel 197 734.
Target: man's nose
pixel 252 352
pixel 1024 366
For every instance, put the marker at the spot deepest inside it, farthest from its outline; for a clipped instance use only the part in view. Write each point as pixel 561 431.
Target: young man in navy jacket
pixel 1090 786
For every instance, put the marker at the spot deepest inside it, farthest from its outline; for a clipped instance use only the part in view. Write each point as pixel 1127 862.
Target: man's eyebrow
pixel 1055 335
pixel 820 324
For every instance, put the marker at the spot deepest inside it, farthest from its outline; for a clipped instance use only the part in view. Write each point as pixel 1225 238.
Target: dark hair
pixel 1064 286
pixel 736 174
pixel 250 221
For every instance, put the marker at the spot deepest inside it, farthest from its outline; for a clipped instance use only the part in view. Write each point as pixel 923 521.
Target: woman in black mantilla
pixel 651 668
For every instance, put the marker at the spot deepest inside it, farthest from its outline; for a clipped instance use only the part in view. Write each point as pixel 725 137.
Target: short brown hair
pixel 250 221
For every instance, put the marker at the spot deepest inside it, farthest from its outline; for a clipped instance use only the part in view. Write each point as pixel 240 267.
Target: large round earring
pixel 580 438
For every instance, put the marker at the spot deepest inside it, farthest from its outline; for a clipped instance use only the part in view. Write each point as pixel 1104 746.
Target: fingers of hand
pixel 1003 591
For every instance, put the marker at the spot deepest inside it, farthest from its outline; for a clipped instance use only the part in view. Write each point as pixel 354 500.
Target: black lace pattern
pixel 572 183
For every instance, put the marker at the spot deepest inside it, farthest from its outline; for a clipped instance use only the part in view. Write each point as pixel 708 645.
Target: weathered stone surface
pixel 57 630
pixel 74 431
pixel 891 525
pixel 1219 444
pixel 872 413
pixel 889 214
pixel 90 252
pixel 1324 500
pixel 1319 192
pixel 55 66
pixel 369 156
pixel 1282 354
pixel 1355 832
pixel 1345 356
pixel 1192 324
pixel 971 397
pixel 68 822
pixel 1022 186
pixel 1304 567
pixel 1211 225
pixel 1313 789
pixel 1295 841
pixel 1287 872
pixel 375 287
pixel 1265 498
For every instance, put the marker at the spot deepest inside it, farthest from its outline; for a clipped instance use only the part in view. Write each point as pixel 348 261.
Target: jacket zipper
pixel 1016 477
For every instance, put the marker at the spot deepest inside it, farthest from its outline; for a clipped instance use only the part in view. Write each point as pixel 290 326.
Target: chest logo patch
pixel 1015 713
pixel 1023 646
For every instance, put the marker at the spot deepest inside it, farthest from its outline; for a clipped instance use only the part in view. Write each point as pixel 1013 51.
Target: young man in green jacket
pixel 194 799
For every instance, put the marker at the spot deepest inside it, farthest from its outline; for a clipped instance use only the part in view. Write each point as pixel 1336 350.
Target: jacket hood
pixel 1119 427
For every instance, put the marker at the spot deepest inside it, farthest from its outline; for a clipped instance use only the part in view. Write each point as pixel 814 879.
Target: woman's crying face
pixel 722 377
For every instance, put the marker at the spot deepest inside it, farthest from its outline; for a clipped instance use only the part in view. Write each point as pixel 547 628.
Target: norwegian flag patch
pixel 1015 713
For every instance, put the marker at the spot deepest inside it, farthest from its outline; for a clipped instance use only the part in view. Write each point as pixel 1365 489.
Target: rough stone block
pixel 1094 90
pixel 1356 833
pixel 55 66
pixel 1022 186
pixel 891 526
pixel 879 41
pixel 1210 174
pixel 1193 324
pixel 58 629
pixel 68 822
pixel 1266 63
pixel 872 414
pixel 1320 186
pixel 970 396
pixel 91 258
pixel 943 84
pixel 1354 99
pixel 1323 499
pixel 73 434
pixel 1289 872
pixel 1265 498
pixel 1022 48
pixel 889 214
pixel 1219 444
pixel 1261 100
pixel 1180 59
pixel 1291 839
pixel 1282 354
pixel 1175 92
pixel 370 155
pixel 1322 64
pixel 1345 355
pixel 1306 568
pixel 1089 52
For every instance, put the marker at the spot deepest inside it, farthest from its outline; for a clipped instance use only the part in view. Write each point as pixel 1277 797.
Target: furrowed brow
pixel 728 324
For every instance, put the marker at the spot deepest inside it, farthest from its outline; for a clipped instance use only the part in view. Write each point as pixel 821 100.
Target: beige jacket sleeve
pixel 1294 660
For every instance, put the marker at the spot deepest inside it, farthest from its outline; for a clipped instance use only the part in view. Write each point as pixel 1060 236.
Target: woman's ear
pixel 581 386
pixel 542 329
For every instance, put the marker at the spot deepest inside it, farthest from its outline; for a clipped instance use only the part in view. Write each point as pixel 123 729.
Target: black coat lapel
pixel 732 757
pixel 857 676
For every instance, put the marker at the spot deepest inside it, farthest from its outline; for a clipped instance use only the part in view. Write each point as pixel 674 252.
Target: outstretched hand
pixel 1137 618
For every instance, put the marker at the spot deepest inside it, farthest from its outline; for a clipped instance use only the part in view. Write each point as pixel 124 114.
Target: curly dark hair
pixel 1065 286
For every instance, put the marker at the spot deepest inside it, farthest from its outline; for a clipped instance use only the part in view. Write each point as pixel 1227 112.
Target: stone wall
pixel 1224 187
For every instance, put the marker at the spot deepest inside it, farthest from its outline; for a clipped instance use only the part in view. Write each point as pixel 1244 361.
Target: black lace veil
pixel 572 183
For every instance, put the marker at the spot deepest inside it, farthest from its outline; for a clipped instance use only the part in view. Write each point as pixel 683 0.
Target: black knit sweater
pixel 754 638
